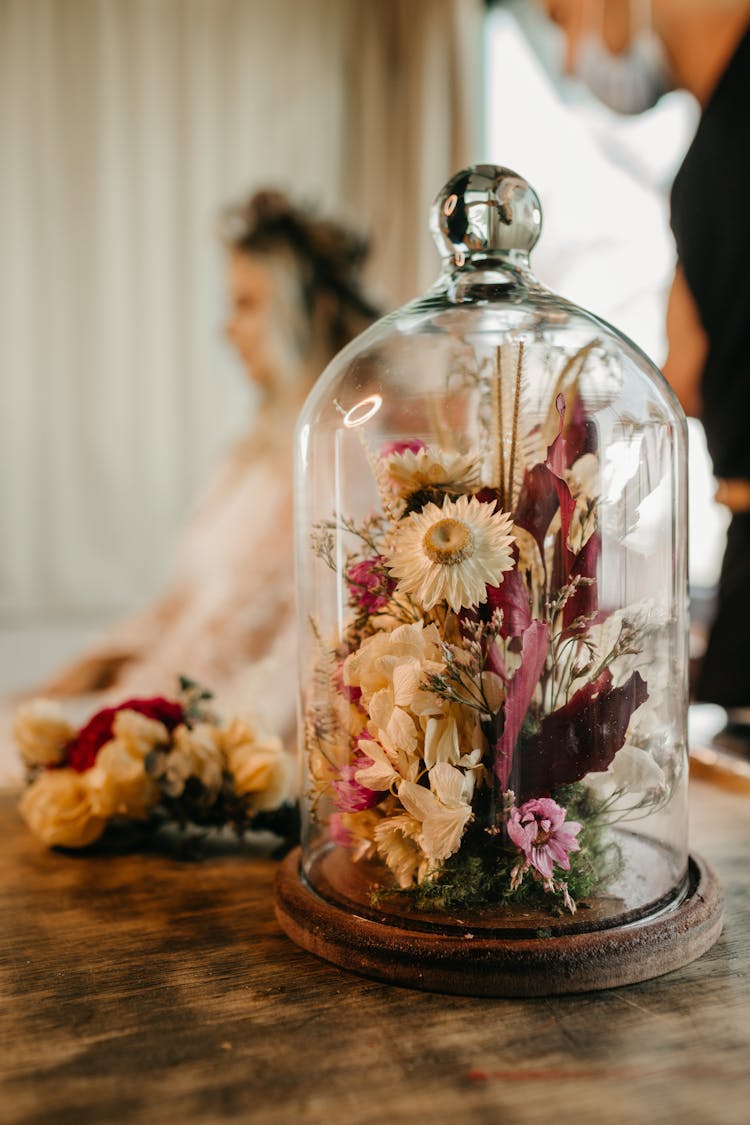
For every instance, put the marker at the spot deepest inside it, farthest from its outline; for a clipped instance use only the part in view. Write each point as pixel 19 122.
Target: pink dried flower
pixel 540 830
pixel 370 584
pixel 351 795
pixel 338 832
pixel 349 691
pixel 413 445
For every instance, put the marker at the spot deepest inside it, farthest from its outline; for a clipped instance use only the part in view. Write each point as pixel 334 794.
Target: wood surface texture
pixel 478 963
pixel 142 989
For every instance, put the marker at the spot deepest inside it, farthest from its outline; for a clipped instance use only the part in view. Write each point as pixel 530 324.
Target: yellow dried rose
pixel 58 809
pixel 258 764
pixel 119 783
pixel 139 734
pixel 42 732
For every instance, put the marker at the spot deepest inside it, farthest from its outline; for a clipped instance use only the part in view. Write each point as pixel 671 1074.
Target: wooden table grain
pixel 143 989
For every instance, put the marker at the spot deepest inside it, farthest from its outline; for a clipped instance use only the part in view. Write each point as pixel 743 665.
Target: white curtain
pixel 414 119
pixel 124 126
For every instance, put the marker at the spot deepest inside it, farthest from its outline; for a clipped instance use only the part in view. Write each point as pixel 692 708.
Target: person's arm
pixel 688 346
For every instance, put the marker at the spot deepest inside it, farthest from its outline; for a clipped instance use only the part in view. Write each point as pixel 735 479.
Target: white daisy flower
pixel 452 553
pixel 415 470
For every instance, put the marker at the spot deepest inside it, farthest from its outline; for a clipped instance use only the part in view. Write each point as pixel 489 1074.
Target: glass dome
pixel 491 552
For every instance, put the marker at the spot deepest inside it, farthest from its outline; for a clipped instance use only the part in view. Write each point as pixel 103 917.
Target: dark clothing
pixel 711 224
pixel 724 676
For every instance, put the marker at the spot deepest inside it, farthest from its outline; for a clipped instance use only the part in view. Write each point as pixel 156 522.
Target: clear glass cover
pixel 491 551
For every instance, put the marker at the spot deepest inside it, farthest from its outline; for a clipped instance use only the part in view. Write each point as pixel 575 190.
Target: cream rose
pixel 258 764
pixel 42 732
pixel 58 809
pixel 119 783
pixel 139 734
pixel 197 753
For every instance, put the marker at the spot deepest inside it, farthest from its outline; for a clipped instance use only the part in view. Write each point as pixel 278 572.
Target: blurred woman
pixel 228 621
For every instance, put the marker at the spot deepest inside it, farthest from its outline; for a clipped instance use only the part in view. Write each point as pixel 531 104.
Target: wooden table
pixel 142 989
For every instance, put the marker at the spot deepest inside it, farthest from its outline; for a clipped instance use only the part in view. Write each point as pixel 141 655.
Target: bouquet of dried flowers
pixel 152 760
pixel 475 727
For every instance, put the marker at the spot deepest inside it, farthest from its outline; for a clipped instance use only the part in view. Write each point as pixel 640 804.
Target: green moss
pixel 479 875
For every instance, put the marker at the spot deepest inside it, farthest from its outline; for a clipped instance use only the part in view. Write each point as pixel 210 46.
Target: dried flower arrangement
pixel 155 761
pixel 477 726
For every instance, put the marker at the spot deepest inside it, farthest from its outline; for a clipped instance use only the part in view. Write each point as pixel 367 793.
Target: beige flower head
pixel 196 753
pixel 42 732
pixel 396 839
pixel 139 734
pixel 119 783
pixel 259 766
pixel 261 775
pixel 427 468
pixel 58 809
pixel 451 554
pixel 443 810
pixel 390 668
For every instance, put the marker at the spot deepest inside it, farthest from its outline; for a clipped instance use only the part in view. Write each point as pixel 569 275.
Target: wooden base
pixel 473 964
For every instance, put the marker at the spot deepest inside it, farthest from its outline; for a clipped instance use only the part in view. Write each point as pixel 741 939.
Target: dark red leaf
pixel 513 598
pixel 582 737
pixel 585 600
pixel 537 503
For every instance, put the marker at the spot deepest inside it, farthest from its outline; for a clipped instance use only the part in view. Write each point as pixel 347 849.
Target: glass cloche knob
pixel 485 210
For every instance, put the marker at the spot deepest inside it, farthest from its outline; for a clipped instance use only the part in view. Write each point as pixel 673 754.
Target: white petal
pixel 442 832
pixel 407 677
pixel 448 784
pixel 381 774
pixel 636 769
pixel 417 800
pixel 441 742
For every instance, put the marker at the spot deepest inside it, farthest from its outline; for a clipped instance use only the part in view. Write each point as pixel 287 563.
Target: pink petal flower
pixel 337 832
pixel 540 831
pixel 349 691
pixel 350 794
pixel 413 445
pixel 370 584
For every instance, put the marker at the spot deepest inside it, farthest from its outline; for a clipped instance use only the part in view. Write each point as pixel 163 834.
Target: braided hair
pixel 329 256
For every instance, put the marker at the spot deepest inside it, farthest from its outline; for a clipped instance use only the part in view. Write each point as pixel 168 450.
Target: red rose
pixel 82 751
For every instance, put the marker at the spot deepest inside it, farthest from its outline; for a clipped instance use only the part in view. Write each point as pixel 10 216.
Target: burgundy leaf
pixel 487 496
pixel 584 601
pixel 580 434
pixel 512 598
pixel 557 463
pixel 543 491
pixel 582 737
pixel 534 649
pixel 556 453
pixel 495 663
pixel 537 503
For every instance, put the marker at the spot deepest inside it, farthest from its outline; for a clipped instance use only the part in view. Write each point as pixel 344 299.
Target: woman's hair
pixel 330 257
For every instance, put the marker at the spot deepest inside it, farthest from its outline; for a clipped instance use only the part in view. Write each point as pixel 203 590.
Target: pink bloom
pixel 337 832
pixel 349 691
pixel 539 829
pixel 413 445
pixel 370 584
pixel 351 796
